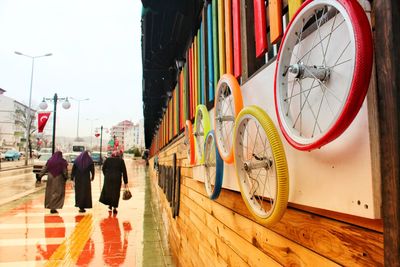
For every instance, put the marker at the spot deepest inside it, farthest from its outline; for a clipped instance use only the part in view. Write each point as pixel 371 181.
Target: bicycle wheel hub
pixel 301 71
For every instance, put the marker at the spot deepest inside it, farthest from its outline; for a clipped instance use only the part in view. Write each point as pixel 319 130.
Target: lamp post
pixel 79 109
pixel 65 105
pixel 29 121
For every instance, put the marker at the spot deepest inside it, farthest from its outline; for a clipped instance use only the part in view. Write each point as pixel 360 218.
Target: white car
pixel 39 163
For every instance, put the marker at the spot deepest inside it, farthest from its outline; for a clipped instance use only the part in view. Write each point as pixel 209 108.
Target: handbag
pixel 127 193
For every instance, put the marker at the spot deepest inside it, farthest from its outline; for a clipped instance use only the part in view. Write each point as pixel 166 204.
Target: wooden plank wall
pixel 223 232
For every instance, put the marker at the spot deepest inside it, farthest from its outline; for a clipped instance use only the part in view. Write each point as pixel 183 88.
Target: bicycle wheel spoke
pixel 343 62
pixel 310 107
pixel 315 38
pixel 341 54
pixel 291 96
pixel 313 46
pixel 319 34
pixel 330 35
pixel 297 94
pixel 299 39
pixel 319 110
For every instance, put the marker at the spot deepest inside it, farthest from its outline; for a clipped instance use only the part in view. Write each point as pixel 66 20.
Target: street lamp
pixel 66 105
pixel 28 128
pixel 79 109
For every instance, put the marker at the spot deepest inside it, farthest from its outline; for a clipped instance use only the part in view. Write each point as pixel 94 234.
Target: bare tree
pixel 22 120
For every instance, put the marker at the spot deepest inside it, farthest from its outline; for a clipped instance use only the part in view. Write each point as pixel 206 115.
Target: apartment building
pixel 12 134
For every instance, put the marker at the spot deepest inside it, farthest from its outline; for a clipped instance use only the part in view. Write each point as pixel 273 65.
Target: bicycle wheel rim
pixel 213 166
pixel 228 103
pixel 307 124
pixel 253 121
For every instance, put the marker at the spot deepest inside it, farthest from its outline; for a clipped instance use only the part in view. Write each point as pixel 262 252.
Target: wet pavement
pixel 31 236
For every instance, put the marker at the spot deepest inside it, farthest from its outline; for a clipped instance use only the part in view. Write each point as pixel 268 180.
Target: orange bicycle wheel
pixel 189 141
pixel 228 104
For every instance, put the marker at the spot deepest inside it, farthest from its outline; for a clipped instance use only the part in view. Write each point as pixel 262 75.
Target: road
pixel 17 183
pixel 11 164
pixel 31 236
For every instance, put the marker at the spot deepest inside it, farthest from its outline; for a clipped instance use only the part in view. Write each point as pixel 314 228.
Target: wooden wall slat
pixel 244 249
pixel 387 55
pixel 365 246
pixel 300 238
pixel 272 244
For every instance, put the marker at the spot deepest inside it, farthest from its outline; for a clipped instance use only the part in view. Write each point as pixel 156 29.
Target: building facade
pixel 118 132
pixel 134 136
pixel 12 132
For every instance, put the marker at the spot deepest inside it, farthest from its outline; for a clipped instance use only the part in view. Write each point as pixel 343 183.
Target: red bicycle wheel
pixel 322 73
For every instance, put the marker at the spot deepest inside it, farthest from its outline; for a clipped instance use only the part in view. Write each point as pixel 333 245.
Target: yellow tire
pixel 261 166
pixel 202 127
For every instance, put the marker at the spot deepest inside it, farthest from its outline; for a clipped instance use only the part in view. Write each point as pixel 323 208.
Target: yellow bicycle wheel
pixel 202 127
pixel 261 167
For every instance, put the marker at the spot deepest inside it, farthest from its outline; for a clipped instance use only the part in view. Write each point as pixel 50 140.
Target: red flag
pixel 42 120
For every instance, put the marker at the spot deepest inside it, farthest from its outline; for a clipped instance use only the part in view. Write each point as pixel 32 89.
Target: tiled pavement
pixel 31 236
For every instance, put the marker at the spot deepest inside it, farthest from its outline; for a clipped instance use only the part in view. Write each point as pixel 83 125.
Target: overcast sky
pixel 96 49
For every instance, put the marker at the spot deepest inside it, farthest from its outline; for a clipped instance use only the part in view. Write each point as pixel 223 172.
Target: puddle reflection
pixel 50 232
pixel 87 253
pixel 115 249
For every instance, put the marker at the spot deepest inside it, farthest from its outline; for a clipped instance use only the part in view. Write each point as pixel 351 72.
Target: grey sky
pixel 96 50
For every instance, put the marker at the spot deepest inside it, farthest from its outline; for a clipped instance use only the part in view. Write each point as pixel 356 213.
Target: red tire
pixel 359 31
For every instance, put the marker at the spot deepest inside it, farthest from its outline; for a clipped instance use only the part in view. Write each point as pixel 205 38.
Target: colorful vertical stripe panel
pixel 210 54
pixel 182 95
pixel 221 37
pixel 275 20
pixel 237 54
pixel 195 75
pixel 170 119
pixel 176 110
pixel 294 5
pixel 190 91
pixel 201 63
pixel 204 58
pixel 185 93
pixel 181 99
pixel 215 41
pixel 228 36
pixel 260 30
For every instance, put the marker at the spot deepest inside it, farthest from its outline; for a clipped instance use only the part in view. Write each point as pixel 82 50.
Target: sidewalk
pixel 31 236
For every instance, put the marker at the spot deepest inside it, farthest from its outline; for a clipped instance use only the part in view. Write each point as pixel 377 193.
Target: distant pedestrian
pixel 82 174
pixel 56 168
pixel 113 168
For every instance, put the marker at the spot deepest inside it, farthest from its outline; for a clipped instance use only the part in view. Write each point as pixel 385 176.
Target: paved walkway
pixel 31 236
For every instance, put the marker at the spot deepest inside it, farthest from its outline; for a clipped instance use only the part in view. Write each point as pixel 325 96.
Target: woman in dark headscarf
pixel 82 174
pixel 114 168
pixel 56 169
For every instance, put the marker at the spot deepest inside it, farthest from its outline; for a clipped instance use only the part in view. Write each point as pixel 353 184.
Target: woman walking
pixel 56 168
pixel 114 168
pixel 82 175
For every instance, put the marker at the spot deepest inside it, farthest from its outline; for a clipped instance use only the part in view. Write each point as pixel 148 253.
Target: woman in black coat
pixel 114 169
pixel 82 175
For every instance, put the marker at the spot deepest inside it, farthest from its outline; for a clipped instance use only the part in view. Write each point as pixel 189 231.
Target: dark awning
pixel 168 27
